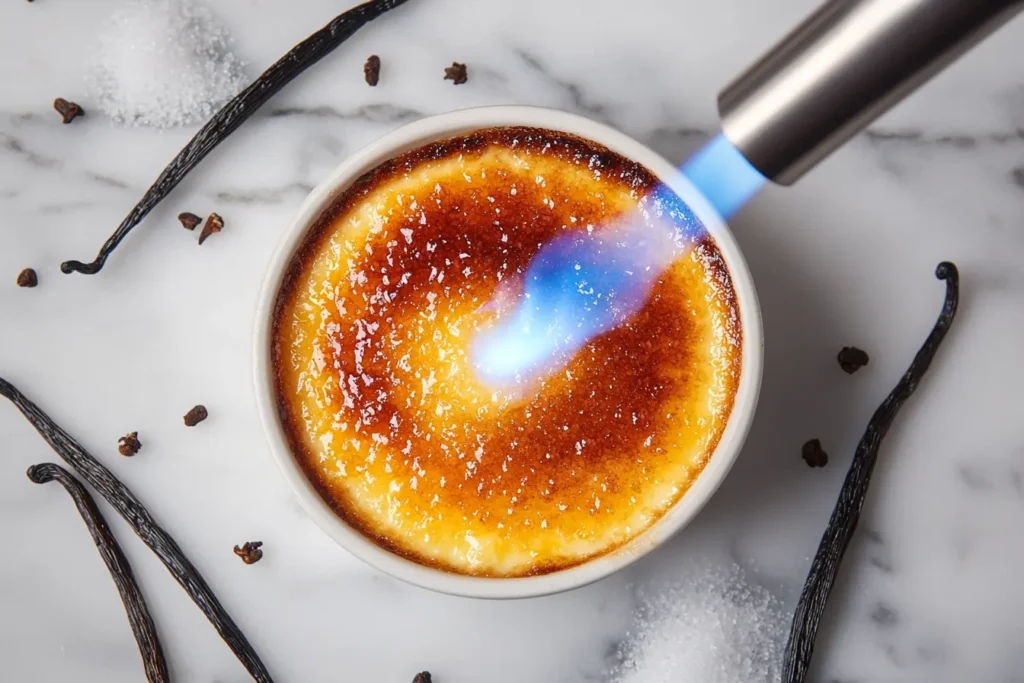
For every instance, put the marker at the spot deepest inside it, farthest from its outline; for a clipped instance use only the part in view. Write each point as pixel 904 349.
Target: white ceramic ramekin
pixel 439 127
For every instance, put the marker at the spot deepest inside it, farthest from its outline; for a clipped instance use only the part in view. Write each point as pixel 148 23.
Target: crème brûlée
pixel 392 423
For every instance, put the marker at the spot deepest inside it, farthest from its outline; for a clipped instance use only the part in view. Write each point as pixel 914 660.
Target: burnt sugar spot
pixel 379 398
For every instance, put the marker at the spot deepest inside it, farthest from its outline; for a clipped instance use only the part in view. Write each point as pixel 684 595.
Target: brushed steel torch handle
pixel 840 69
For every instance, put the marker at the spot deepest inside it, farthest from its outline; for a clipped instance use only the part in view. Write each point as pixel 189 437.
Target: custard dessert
pixel 399 432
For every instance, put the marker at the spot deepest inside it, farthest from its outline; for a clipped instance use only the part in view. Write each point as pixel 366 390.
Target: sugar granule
pixel 163 63
pixel 711 627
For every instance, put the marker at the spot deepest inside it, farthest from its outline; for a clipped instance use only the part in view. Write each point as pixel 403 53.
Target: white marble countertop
pixel 844 257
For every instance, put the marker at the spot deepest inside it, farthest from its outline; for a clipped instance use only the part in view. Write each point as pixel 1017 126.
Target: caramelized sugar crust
pixel 383 408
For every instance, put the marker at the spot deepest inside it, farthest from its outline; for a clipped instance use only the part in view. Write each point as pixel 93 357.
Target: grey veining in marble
pixel 931 588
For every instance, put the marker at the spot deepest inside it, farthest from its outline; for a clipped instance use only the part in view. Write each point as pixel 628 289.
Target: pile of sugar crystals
pixel 164 63
pixel 711 627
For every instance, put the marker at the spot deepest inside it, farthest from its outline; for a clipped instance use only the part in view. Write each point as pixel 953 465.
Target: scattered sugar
pixel 712 627
pixel 164 63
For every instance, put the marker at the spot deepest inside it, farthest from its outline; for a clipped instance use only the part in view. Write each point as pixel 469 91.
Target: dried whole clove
pixel 214 223
pixel 851 359
pixel 422 677
pixel 69 111
pixel 117 564
pixel 189 220
pixel 234 114
pixel 371 69
pixel 28 278
pixel 250 552
pixel 843 522
pixel 195 416
pixel 138 517
pixel 813 454
pixel 129 444
pixel 456 73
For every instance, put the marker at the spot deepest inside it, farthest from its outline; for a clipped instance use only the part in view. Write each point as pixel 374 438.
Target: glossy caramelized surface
pixel 383 407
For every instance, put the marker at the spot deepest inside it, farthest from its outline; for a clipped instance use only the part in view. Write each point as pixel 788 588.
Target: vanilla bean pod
pixel 843 523
pixel 135 513
pixel 117 564
pixel 234 113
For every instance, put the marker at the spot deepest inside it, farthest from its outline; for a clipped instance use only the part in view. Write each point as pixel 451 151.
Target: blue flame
pixel 723 175
pixel 583 284
pixel 579 285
